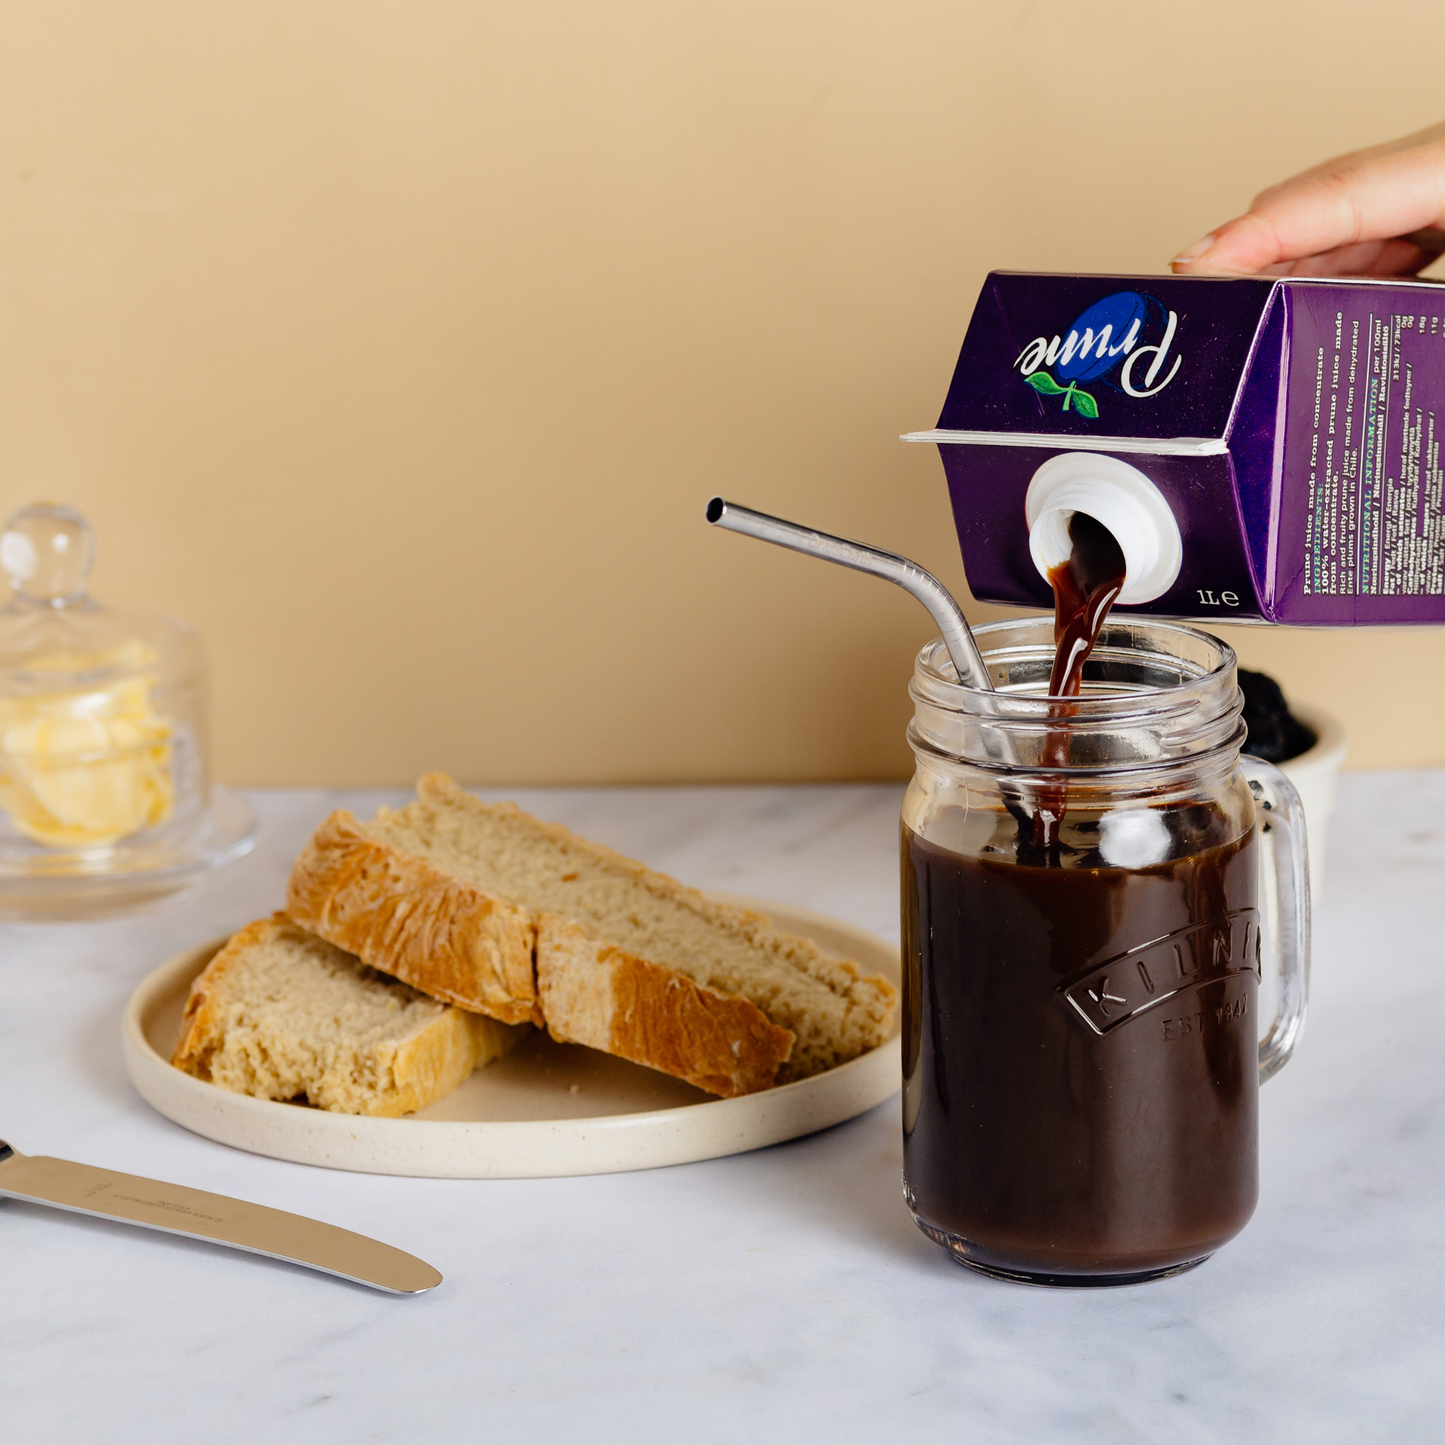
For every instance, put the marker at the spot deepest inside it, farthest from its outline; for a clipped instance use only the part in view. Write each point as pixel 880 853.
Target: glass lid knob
pixel 47 551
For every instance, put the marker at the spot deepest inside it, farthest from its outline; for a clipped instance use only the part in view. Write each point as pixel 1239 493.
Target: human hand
pixel 1375 212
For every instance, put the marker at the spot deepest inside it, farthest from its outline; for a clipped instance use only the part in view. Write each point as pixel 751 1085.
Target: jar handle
pixel 1285 938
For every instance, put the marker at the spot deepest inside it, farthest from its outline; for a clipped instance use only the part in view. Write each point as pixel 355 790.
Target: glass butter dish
pixel 106 803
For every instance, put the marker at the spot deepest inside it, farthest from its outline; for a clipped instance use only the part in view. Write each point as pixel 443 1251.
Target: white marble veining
pixel 778 1294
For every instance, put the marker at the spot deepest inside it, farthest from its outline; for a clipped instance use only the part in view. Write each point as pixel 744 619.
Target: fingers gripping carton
pixel 1263 449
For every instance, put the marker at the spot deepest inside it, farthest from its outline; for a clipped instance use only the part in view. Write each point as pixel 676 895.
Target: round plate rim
pixel 511 1149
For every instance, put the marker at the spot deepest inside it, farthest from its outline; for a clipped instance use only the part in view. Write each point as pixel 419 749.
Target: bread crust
pixel 428 1067
pixel 400 915
pixel 201 1030
pixel 870 1001
pixel 417 1072
pixel 595 994
pixel 483 952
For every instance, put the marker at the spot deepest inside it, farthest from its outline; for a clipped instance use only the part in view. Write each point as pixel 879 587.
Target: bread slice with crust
pixel 616 943
pixel 609 1000
pixel 281 1014
pixel 408 908
pixel 400 912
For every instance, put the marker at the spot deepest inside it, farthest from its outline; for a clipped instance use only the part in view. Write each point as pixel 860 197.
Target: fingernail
pixel 1190 254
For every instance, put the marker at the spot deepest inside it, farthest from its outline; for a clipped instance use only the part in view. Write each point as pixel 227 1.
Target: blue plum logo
pixel 1104 336
pixel 1120 315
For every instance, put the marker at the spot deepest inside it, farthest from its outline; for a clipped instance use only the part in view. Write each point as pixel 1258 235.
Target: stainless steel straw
pixel 946 613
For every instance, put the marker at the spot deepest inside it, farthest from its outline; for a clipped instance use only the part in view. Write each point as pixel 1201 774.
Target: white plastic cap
pixel 1117 496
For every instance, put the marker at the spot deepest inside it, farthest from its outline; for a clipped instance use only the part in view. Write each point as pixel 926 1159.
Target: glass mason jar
pixel 1094 891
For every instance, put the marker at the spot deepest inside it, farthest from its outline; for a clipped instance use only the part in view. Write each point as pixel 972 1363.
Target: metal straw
pixel 946 613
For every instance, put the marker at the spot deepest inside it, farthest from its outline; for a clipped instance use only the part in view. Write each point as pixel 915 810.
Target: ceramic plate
pixel 547 1109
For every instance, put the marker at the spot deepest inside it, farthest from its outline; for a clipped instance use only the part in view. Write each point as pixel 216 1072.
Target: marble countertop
pixel 785 1291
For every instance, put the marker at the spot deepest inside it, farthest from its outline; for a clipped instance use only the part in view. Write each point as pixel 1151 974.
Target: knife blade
pixel 175 1209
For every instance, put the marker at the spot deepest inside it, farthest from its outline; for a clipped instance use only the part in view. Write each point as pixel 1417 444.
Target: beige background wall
pixel 398 346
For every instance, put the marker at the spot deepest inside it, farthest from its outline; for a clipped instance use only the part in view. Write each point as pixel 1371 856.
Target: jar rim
pixel 1154 693
pixel 1204 664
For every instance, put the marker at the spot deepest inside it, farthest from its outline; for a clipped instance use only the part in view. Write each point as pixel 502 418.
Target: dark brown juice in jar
pixel 1080 1059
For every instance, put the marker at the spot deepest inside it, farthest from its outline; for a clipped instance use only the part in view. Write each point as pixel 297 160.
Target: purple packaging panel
pixel 1263 449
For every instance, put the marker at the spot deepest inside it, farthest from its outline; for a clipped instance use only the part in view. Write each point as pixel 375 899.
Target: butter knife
pixel 174 1209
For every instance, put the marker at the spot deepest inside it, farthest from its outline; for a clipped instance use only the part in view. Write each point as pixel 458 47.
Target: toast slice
pixel 615 942
pixel 281 1014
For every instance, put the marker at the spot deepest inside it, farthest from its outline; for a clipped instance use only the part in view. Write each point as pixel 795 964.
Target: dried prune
pixel 1275 733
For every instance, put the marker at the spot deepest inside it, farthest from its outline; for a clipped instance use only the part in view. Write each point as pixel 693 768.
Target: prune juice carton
pixel 1263 449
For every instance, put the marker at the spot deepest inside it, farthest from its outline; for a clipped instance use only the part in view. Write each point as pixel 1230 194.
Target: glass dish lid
pixel 106 800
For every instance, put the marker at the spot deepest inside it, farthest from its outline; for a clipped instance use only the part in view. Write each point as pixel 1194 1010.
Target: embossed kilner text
pixel 1132 982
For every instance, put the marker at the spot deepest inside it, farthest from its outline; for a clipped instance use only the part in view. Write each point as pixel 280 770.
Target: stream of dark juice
pixel 1081 1064
pixel 1085 587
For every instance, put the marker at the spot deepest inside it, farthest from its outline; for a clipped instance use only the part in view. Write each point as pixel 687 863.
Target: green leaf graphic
pixel 1081 401
pixel 1041 381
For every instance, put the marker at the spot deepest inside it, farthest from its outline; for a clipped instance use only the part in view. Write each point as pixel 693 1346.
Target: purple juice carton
pixel 1263 449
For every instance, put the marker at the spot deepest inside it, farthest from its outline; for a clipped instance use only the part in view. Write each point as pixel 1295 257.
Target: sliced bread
pixel 281 1014
pixel 600 923
pixel 398 911
pixel 654 1015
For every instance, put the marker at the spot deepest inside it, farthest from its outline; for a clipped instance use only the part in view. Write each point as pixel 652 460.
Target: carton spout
pixel 1120 498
